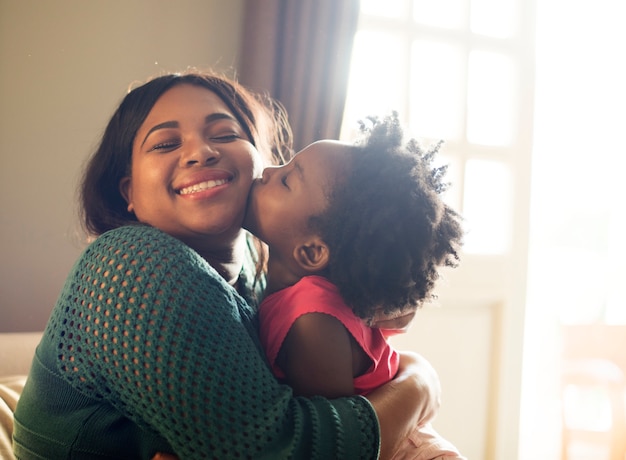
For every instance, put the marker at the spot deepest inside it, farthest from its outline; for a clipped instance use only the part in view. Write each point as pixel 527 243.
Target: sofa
pixel 16 353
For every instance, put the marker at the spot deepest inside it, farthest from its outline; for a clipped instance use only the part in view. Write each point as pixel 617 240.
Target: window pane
pixel 495 18
pixel 491 101
pixel 375 89
pixel 388 8
pixel 487 207
pixel 449 14
pixel 437 84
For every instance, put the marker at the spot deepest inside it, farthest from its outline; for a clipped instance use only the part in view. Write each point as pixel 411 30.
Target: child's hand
pixel 397 322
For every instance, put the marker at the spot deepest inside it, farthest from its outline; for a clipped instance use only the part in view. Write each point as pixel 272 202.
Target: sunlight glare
pixel 491 100
pixel 449 14
pixel 437 82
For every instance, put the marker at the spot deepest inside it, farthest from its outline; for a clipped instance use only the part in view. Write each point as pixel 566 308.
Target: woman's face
pixel 192 168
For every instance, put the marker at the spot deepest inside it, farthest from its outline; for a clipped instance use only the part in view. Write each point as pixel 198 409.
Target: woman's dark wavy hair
pixel 102 206
pixel 387 227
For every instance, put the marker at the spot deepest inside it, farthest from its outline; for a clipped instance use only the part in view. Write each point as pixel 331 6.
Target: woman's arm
pixel 412 398
pixel 151 328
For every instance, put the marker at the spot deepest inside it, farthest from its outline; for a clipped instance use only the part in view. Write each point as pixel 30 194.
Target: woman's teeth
pixel 201 186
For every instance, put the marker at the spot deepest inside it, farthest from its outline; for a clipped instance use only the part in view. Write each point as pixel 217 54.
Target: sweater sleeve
pixel 145 324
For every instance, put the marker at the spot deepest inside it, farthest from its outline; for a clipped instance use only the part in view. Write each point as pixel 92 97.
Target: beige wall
pixel 64 66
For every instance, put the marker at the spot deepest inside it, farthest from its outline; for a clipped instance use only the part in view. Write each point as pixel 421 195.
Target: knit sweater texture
pixel 148 349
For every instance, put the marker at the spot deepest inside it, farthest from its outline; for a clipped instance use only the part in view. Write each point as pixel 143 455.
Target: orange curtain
pixel 299 52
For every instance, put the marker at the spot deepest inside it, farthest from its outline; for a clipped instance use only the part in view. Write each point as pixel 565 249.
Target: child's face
pixel 283 200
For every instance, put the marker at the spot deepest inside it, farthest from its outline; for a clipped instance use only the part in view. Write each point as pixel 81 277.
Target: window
pixel 462 71
pixel 453 70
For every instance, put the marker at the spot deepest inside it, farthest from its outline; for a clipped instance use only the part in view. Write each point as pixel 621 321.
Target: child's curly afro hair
pixel 387 227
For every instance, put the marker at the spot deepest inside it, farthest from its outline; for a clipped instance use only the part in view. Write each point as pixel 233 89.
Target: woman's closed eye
pixel 165 146
pixel 224 130
pixel 225 137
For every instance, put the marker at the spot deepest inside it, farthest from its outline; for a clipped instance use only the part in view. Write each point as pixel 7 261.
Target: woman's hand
pixel 428 384
pixel 411 399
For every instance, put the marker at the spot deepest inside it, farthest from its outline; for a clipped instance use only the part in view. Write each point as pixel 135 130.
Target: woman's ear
pixel 312 255
pixel 126 190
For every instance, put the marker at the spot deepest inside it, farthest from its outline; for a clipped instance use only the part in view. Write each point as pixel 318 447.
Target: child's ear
pixel 312 255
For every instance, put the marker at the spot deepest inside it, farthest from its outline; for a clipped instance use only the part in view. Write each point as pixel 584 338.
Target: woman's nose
pixel 200 152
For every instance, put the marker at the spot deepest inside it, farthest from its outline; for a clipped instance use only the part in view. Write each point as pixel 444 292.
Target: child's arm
pixel 316 357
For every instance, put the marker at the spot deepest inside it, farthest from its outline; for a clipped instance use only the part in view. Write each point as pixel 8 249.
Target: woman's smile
pixel 209 180
pixel 202 186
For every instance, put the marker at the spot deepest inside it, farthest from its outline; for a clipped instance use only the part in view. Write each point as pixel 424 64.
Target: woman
pixel 152 345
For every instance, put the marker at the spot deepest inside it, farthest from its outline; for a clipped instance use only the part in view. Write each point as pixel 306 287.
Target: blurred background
pixel 529 97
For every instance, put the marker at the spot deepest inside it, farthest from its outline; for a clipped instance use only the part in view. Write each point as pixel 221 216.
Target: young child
pixel 351 229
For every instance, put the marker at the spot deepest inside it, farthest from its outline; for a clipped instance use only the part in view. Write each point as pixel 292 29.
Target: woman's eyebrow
pixel 165 124
pixel 174 124
pixel 219 116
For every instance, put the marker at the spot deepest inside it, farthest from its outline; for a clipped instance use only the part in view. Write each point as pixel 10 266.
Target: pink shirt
pixel 315 294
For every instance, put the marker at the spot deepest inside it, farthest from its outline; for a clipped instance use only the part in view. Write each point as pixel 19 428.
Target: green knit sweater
pixel 148 349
